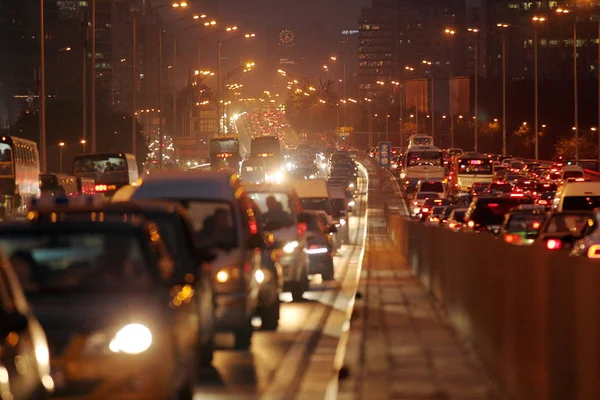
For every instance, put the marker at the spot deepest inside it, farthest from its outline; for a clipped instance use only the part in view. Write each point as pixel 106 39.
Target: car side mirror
pixel 256 241
pixel 12 321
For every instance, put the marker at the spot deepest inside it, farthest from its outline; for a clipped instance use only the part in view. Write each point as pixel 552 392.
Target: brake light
pixel 580 180
pixel 536 225
pixel 516 195
pixel 594 251
pixel 452 225
pixel 492 205
pixel 302 228
pixel 425 209
pixel 553 244
pixel 471 224
pixel 543 202
pixel 101 188
pixel 512 239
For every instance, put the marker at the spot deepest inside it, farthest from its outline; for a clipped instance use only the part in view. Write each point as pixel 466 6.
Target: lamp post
pixel 451 32
pixel 369 101
pixel 503 26
pixel 42 89
pixel 476 59
pixel 536 20
pixel 83 143
pixel 61 146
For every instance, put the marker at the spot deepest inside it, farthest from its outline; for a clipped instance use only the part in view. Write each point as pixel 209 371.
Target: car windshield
pixel 423 196
pixel 524 222
pixel 574 203
pixel 432 187
pixel 213 223
pixel 420 159
pixel 260 198
pixel 492 211
pixel 566 224
pixel 64 261
pixel 573 174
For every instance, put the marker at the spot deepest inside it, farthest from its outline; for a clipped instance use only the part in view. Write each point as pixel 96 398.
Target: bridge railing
pixel 532 315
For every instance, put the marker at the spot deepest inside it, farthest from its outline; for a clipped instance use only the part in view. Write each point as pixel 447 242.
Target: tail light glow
pixel 553 244
pixel 594 251
pixel 425 209
pixel 101 188
pixel 471 224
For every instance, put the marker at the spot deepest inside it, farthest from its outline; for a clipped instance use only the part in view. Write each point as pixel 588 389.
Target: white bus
pixel 422 163
pixel 19 173
pixel 420 140
pixel 473 167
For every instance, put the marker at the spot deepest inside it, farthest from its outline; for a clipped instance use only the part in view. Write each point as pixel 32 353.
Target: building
pixel 555 38
pixel 397 35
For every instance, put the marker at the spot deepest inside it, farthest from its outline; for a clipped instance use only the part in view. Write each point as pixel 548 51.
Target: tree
pixel 312 108
pixel 565 147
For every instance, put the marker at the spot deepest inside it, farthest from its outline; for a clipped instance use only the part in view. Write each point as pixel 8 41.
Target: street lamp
pixel 564 11
pixel 476 56
pixel 83 143
pixel 61 146
pixel 451 32
pixel 536 21
pixel 503 27
pixel 369 101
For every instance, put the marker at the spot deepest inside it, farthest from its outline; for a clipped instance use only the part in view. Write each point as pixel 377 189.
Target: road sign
pixel 384 153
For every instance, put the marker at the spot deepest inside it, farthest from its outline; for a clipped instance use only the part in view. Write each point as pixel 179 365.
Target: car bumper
pixel 317 264
pixel 126 378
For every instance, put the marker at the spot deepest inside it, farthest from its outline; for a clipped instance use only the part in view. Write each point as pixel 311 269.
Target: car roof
pixel 126 207
pixel 205 185
pixel 268 188
pixel 135 226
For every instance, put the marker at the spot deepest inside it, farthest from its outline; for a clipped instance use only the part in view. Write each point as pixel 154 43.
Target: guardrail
pixel 532 315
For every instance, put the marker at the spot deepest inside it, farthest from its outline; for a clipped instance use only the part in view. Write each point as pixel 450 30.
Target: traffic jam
pixel 124 294
pixel 521 202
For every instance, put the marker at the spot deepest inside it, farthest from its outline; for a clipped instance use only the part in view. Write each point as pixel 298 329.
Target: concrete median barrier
pixel 532 315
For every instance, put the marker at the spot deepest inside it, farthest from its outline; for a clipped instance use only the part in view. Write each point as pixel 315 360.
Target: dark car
pixel 119 319
pixel 24 353
pixel 319 247
pixel 175 227
pixel 486 213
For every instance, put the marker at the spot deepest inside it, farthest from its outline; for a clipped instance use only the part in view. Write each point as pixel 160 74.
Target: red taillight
pixel 101 188
pixel 516 195
pixel 452 225
pixel 553 244
pixel 471 224
pixel 415 203
pixel 594 251
pixel 543 202
pixel 536 225
pixel 425 209
pixel 302 228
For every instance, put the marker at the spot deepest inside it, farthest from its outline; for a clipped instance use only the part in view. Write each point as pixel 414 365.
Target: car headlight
pixel 312 177
pixel 278 177
pixel 290 247
pixel 402 175
pixel 259 275
pixel 352 203
pixel 131 339
pixel 351 185
pixel 342 222
pixel 227 274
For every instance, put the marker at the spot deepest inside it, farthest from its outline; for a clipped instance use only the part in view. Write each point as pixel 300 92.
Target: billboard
pixel 460 95
pixel 416 95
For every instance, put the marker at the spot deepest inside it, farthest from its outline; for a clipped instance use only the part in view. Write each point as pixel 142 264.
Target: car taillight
pixel 553 244
pixel 101 188
pixel 471 224
pixel 543 202
pixel 512 238
pixel 594 251
pixel 425 209
pixel 452 225
pixel 415 203
pixel 302 227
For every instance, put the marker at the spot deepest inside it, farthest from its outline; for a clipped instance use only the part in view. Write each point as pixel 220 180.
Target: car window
pixel 566 223
pixel 77 261
pixel 213 223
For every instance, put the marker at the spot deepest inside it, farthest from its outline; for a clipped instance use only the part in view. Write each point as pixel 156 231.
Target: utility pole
pixel 433 108
pixel 93 77
pixel 535 72
pixel 575 93
pixel 133 81
pixel 504 93
pixel 42 88
pixel 174 89
pixel 161 136
pixel 84 99
pixel 476 88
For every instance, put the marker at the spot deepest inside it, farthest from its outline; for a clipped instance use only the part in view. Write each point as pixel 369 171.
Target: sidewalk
pixel 400 346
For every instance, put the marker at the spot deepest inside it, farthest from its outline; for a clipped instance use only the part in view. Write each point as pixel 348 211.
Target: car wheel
pixel 300 287
pixel 243 336
pixel 328 272
pixel 269 316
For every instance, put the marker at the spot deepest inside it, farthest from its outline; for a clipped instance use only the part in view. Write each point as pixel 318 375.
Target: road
pixel 277 361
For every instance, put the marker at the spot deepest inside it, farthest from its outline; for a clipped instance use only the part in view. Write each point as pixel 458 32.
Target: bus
pixel 420 140
pixel 473 167
pixel 269 149
pixel 224 153
pixel 110 171
pixel 58 185
pixel 422 163
pixel 19 173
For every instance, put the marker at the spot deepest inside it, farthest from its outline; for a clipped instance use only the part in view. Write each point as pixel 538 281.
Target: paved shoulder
pixel 400 345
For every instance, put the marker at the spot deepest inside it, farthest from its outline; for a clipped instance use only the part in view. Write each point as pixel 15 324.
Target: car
pixel 320 247
pixel 176 227
pixel 435 217
pixel 456 219
pixel 572 196
pixel 429 205
pixel 281 219
pixel 224 222
pixel 119 320
pixel 562 230
pixel 418 201
pixel 589 243
pixel 25 357
pixel 432 187
pixel 339 203
pixel 486 213
pixel 522 224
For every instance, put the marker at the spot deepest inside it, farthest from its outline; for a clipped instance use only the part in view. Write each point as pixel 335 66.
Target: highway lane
pixel 274 366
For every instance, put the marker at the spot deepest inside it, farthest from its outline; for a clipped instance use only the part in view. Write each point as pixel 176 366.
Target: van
pixel 224 222
pixel 431 186
pixel 314 195
pixel 571 172
pixel 577 196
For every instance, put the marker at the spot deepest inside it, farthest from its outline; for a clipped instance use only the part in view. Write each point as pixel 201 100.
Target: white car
pixel 418 201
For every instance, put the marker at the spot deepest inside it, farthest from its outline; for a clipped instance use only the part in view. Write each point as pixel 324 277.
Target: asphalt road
pixel 276 362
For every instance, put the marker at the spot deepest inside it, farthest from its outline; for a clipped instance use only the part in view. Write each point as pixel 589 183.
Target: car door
pixel 17 353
